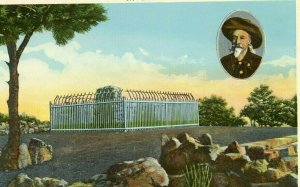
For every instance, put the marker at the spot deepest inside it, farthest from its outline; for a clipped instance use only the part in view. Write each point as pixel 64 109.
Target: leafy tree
pixel 17 25
pixel 265 109
pixel 213 111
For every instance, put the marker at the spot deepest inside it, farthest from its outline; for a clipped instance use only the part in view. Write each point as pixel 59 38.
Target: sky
pixel 155 46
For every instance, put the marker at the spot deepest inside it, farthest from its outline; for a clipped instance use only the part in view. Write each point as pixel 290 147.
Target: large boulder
pixel 39 151
pixel 108 93
pixel 185 150
pixel 145 172
pixel 22 180
pixel 24 158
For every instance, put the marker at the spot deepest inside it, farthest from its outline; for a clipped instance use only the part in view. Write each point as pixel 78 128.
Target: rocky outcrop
pixel 145 172
pixel 39 151
pixel 26 127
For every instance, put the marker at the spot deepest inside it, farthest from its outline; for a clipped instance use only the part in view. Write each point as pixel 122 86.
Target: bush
pixel 3 118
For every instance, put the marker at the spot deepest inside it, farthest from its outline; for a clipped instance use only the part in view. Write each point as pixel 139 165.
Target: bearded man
pixel 245 37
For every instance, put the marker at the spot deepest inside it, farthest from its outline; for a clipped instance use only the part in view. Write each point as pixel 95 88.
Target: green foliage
pixel 30 119
pixel 213 111
pixel 265 109
pixel 197 175
pixel 3 118
pixel 62 20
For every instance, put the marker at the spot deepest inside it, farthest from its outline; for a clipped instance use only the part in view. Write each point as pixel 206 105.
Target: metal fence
pixel 139 110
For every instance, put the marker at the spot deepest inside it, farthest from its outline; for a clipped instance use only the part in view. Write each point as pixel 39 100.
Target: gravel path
pixel 80 155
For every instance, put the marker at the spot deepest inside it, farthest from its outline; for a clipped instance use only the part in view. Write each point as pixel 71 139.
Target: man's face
pixel 241 38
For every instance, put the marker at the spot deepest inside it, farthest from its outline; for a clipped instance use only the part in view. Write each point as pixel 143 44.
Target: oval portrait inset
pixel 240 44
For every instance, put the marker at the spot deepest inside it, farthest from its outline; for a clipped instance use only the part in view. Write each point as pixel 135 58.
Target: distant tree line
pixel 23 117
pixel 263 109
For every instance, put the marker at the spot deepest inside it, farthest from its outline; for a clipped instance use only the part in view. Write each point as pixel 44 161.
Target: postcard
pixel 148 93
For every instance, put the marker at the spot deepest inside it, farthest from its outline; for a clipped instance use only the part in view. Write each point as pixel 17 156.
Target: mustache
pixel 233 47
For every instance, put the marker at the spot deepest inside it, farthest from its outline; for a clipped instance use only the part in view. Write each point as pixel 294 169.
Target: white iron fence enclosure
pixel 147 110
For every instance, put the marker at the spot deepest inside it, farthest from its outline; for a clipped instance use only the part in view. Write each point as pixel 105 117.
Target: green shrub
pixel 3 118
pixel 197 175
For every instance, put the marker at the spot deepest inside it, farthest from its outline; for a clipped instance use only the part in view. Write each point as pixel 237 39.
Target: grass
pixel 197 175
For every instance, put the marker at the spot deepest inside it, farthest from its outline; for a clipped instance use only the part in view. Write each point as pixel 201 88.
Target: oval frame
pixel 224 45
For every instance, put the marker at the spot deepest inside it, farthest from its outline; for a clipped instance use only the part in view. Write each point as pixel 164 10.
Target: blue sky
pixel 159 46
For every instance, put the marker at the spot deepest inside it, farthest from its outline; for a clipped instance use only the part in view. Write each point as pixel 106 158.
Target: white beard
pixel 237 51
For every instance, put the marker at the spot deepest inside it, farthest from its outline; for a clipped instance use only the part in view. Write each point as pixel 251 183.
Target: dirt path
pixel 80 155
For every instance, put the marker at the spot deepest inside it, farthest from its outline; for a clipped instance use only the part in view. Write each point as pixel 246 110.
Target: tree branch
pixel 28 35
pixel 24 44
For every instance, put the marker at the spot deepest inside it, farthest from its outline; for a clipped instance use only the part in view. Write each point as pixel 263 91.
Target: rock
pixel 108 93
pixel 290 180
pixel 205 139
pixel 53 182
pixel 266 184
pixel 176 180
pixel 170 146
pixel 39 151
pixel 278 163
pixel 140 173
pixel 256 170
pixel 38 182
pixel 164 139
pixel 234 147
pixel 99 180
pixel 184 150
pixel 274 175
pixel 255 152
pixel 22 180
pixel 271 154
pixel 220 180
pixel 24 159
pixel 81 184
pixel 232 162
pixel 291 163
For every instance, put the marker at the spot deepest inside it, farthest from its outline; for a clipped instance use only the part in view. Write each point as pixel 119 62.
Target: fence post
pixel 125 114
pixel 51 116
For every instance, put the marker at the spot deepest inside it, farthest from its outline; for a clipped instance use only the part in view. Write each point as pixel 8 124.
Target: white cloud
pixel 144 52
pixel 284 61
pixel 87 71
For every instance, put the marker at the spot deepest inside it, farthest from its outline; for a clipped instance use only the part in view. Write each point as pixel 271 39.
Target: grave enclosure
pixel 111 108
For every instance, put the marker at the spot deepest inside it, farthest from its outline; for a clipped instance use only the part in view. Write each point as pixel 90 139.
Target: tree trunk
pixel 10 153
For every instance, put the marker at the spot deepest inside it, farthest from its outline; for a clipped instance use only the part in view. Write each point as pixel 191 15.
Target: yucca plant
pixel 197 175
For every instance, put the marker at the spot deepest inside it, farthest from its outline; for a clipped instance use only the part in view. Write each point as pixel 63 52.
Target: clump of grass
pixel 197 175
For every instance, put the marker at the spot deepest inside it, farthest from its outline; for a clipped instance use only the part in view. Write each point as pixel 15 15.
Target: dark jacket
pixel 243 69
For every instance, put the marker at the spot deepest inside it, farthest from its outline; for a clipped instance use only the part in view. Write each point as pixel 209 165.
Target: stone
pixel 255 152
pixel 205 139
pixel 274 175
pixel 108 93
pixel 24 158
pixel 255 171
pixel 266 184
pixel 290 180
pixel 291 162
pixel 38 182
pixel 99 180
pixel 234 147
pixel 232 162
pixel 145 172
pixel 39 151
pixel 53 182
pixel 220 180
pixel 164 139
pixel 278 163
pixel 22 180
pixel 81 184
pixel 4 132
pixel 271 154
pixel 184 150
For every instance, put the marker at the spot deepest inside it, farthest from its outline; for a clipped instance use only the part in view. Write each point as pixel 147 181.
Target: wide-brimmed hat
pixel 235 23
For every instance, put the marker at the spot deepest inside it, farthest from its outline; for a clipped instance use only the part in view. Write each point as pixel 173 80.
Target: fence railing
pixel 123 114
